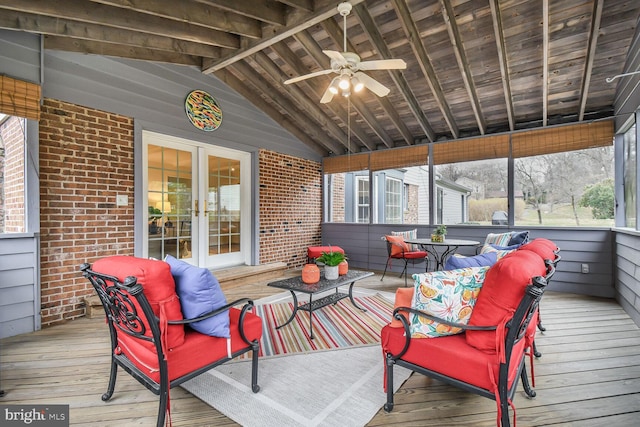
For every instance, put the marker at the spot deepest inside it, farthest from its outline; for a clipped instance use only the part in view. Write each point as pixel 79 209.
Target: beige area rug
pixel 341 387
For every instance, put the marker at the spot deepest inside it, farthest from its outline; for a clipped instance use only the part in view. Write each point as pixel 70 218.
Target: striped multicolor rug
pixel 334 326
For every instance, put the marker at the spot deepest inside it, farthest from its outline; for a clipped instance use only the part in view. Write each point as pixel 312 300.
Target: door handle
pixel 196 209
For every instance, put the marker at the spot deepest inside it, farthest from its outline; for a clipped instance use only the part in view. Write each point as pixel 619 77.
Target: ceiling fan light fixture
pixel 344 82
pixel 333 87
pixel 346 92
pixel 357 84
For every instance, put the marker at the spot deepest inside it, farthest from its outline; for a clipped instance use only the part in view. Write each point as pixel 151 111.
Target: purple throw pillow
pixel 200 293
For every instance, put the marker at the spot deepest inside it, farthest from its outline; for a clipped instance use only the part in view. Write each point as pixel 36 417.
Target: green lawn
pixel 562 215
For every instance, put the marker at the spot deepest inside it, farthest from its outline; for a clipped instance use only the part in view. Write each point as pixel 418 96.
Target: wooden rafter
pixel 202 14
pixel 456 41
pixel 335 32
pixel 66 28
pixel 310 107
pixel 371 29
pixel 498 30
pixel 315 51
pixel 324 9
pixel 115 17
pixel 596 17
pixel 97 48
pixel 289 121
pixel 269 11
pixel 409 27
pixel 318 90
pixel 545 62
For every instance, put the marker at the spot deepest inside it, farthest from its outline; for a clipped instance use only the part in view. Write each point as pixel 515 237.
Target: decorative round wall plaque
pixel 203 110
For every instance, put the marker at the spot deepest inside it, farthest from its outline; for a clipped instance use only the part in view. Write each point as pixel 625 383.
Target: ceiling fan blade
pixel 307 76
pixel 336 56
pixel 383 64
pixel 327 97
pixel 372 84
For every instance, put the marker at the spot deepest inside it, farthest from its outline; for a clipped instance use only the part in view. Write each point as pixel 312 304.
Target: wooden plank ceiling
pixel 474 67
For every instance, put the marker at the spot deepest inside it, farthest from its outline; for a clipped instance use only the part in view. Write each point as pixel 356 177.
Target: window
pixel 393 201
pixel 560 176
pixel 573 188
pixel 363 208
pixel 630 158
pixel 12 174
pixel 470 192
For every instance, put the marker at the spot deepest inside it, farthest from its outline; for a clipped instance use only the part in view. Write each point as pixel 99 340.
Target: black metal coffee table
pixel 295 284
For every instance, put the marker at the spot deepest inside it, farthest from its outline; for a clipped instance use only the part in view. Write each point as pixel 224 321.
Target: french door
pixel 197 202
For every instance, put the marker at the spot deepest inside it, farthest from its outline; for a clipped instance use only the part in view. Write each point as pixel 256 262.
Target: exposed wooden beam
pixel 310 107
pixel 411 30
pixel 324 9
pixel 317 89
pixel 99 33
pixel 193 13
pixel 116 17
pixel 292 126
pixel 97 48
pixel 498 30
pixel 463 64
pixel 268 11
pixel 315 51
pixel 596 17
pixel 299 4
pixel 545 62
pixel 335 32
pixel 371 29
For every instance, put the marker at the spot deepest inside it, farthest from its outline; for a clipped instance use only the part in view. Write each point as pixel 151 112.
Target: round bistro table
pixel 440 251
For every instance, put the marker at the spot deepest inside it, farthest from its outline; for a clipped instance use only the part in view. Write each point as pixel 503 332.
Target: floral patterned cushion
pixel 449 295
pixel 408 235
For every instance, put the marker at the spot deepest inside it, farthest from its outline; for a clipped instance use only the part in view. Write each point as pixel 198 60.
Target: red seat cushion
pixel 410 255
pixel 502 291
pixel 316 251
pixel 158 286
pixel 451 356
pixel 198 350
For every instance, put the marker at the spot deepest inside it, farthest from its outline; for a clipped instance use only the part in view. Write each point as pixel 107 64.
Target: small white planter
pixel 331 272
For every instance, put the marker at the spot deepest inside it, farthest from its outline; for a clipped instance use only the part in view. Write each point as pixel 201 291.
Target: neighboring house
pixel 452 202
pixel 402 196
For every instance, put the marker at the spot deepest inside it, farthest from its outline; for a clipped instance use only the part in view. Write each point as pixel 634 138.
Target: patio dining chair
pixel 398 249
pixel 152 341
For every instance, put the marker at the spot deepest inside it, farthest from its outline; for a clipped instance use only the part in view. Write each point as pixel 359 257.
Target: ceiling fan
pixel 349 69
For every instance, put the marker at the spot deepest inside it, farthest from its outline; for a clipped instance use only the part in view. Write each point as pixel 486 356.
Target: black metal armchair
pixel 140 346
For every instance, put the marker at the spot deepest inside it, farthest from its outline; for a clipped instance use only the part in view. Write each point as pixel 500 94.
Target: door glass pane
pixel 223 205
pixel 169 199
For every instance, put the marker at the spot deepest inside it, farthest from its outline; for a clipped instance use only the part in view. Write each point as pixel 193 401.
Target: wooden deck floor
pixel 589 374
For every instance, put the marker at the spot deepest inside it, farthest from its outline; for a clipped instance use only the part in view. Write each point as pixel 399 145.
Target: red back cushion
pixel 397 245
pixel 503 288
pixel 545 248
pixel 157 284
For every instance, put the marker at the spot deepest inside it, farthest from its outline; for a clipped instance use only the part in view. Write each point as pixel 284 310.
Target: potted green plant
pixel 331 260
pixel 439 233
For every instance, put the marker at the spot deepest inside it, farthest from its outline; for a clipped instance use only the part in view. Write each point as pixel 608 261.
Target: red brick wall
pixel 86 159
pixel 290 207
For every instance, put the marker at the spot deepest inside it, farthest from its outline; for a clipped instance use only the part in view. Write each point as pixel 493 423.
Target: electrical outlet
pixel 585 268
pixel 122 200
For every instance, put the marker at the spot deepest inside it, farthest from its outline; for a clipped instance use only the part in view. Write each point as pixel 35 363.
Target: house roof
pixel 474 67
